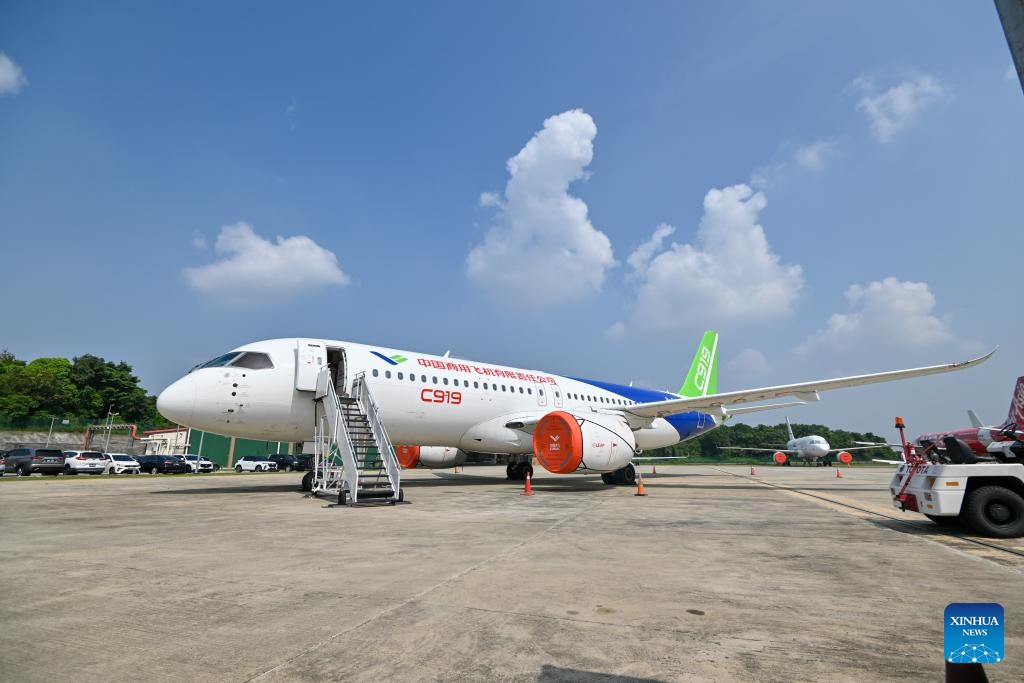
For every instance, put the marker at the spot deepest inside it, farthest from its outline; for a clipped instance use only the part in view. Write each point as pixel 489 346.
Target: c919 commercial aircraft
pixel 268 390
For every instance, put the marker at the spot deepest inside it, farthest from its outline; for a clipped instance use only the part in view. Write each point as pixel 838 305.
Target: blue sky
pixel 577 187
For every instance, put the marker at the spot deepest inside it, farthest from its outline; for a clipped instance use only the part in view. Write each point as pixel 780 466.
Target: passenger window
pixel 387 374
pixel 529 391
pixel 423 378
pixel 435 379
pixel 476 385
pixel 444 381
pixel 376 372
pixel 401 376
pixel 520 390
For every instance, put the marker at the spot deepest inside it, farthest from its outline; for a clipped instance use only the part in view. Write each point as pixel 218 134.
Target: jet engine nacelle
pixel 434 457
pixel 845 457
pixel 564 442
pixel 780 458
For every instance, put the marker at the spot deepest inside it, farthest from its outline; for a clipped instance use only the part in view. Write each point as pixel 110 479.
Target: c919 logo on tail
pixel 703 369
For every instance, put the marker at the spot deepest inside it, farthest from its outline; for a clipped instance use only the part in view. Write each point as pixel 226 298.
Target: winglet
pixel 702 379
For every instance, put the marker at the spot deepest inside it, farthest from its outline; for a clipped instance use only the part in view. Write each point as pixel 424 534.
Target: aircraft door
pixel 310 357
pixel 542 393
pixel 556 395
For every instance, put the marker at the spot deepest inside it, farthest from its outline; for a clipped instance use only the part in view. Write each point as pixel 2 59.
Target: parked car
pixel 88 462
pixel 3 462
pixel 287 463
pixel 255 463
pixel 122 463
pixel 204 465
pixel 163 464
pixel 25 461
pixel 305 461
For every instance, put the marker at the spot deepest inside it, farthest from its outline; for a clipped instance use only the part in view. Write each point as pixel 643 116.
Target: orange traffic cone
pixel 640 490
pixel 753 471
pixel 839 475
pixel 654 469
pixel 528 491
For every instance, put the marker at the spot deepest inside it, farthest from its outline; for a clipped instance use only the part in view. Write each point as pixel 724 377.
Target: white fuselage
pixel 808 447
pixel 423 400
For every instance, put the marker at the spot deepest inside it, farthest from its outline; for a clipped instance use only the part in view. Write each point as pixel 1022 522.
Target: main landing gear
pixel 516 471
pixel 624 477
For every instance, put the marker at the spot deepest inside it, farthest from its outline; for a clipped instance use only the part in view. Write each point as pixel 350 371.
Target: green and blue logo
pixel 392 360
pixel 973 633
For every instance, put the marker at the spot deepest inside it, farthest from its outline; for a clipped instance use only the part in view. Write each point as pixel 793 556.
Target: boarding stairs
pixel 353 457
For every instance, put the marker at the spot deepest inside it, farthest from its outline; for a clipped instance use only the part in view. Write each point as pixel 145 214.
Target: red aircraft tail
pixel 1017 405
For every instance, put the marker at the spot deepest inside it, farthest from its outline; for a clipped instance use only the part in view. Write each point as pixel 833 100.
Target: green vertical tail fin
pixel 702 379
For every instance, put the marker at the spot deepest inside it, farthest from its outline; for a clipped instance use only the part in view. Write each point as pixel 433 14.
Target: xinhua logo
pixel 392 360
pixel 973 633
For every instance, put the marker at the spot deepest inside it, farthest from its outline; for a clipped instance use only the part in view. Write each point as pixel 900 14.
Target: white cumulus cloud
pixel 887 313
pixel 12 79
pixel 899 107
pixel 255 270
pixel 541 247
pixel 816 155
pixel 729 274
pixel 643 254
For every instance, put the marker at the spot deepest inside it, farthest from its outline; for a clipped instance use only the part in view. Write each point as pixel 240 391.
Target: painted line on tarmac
pixel 1007 557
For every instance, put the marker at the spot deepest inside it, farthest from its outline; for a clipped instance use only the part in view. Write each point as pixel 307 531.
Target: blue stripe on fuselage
pixel 688 425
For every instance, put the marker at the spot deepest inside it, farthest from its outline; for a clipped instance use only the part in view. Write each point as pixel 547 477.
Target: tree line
pixel 83 389
pixel 768 437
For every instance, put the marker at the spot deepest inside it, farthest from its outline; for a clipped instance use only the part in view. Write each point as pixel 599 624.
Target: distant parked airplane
pixel 811 449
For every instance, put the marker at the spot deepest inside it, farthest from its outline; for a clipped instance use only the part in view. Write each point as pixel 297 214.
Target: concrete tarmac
pixel 716 575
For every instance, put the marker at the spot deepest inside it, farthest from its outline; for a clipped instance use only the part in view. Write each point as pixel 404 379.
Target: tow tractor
pixel 956 485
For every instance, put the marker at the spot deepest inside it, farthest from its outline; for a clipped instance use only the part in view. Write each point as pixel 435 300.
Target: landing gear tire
pixel 516 471
pixel 307 481
pixel 621 477
pixel 828 463
pixel 995 511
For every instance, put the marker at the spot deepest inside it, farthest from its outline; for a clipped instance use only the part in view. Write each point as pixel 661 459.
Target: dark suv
pixel 163 464
pixel 25 461
pixel 287 463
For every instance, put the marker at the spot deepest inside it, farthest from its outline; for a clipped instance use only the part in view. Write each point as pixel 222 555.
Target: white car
pixel 122 463
pixel 87 462
pixel 203 466
pixel 255 463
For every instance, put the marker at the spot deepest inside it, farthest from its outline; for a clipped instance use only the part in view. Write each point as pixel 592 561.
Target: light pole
pixel 50 433
pixel 110 425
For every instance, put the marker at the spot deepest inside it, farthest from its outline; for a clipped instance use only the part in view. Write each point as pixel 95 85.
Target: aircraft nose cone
pixel 178 401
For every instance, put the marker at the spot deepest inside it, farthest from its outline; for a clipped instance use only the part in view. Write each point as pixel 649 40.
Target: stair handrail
pixel 341 437
pixel 380 434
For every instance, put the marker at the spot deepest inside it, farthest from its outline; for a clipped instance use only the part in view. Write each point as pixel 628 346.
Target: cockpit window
pixel 218 362
pixel 253 361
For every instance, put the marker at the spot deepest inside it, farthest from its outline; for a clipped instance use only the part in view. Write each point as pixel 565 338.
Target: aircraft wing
pixel 888 462
pixel 858 448
pixel 807 391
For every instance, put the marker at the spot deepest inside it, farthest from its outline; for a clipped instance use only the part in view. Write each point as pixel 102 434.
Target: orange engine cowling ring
pixel 845 457
pixel 408 456
pixel 780 458
pixel 558 442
